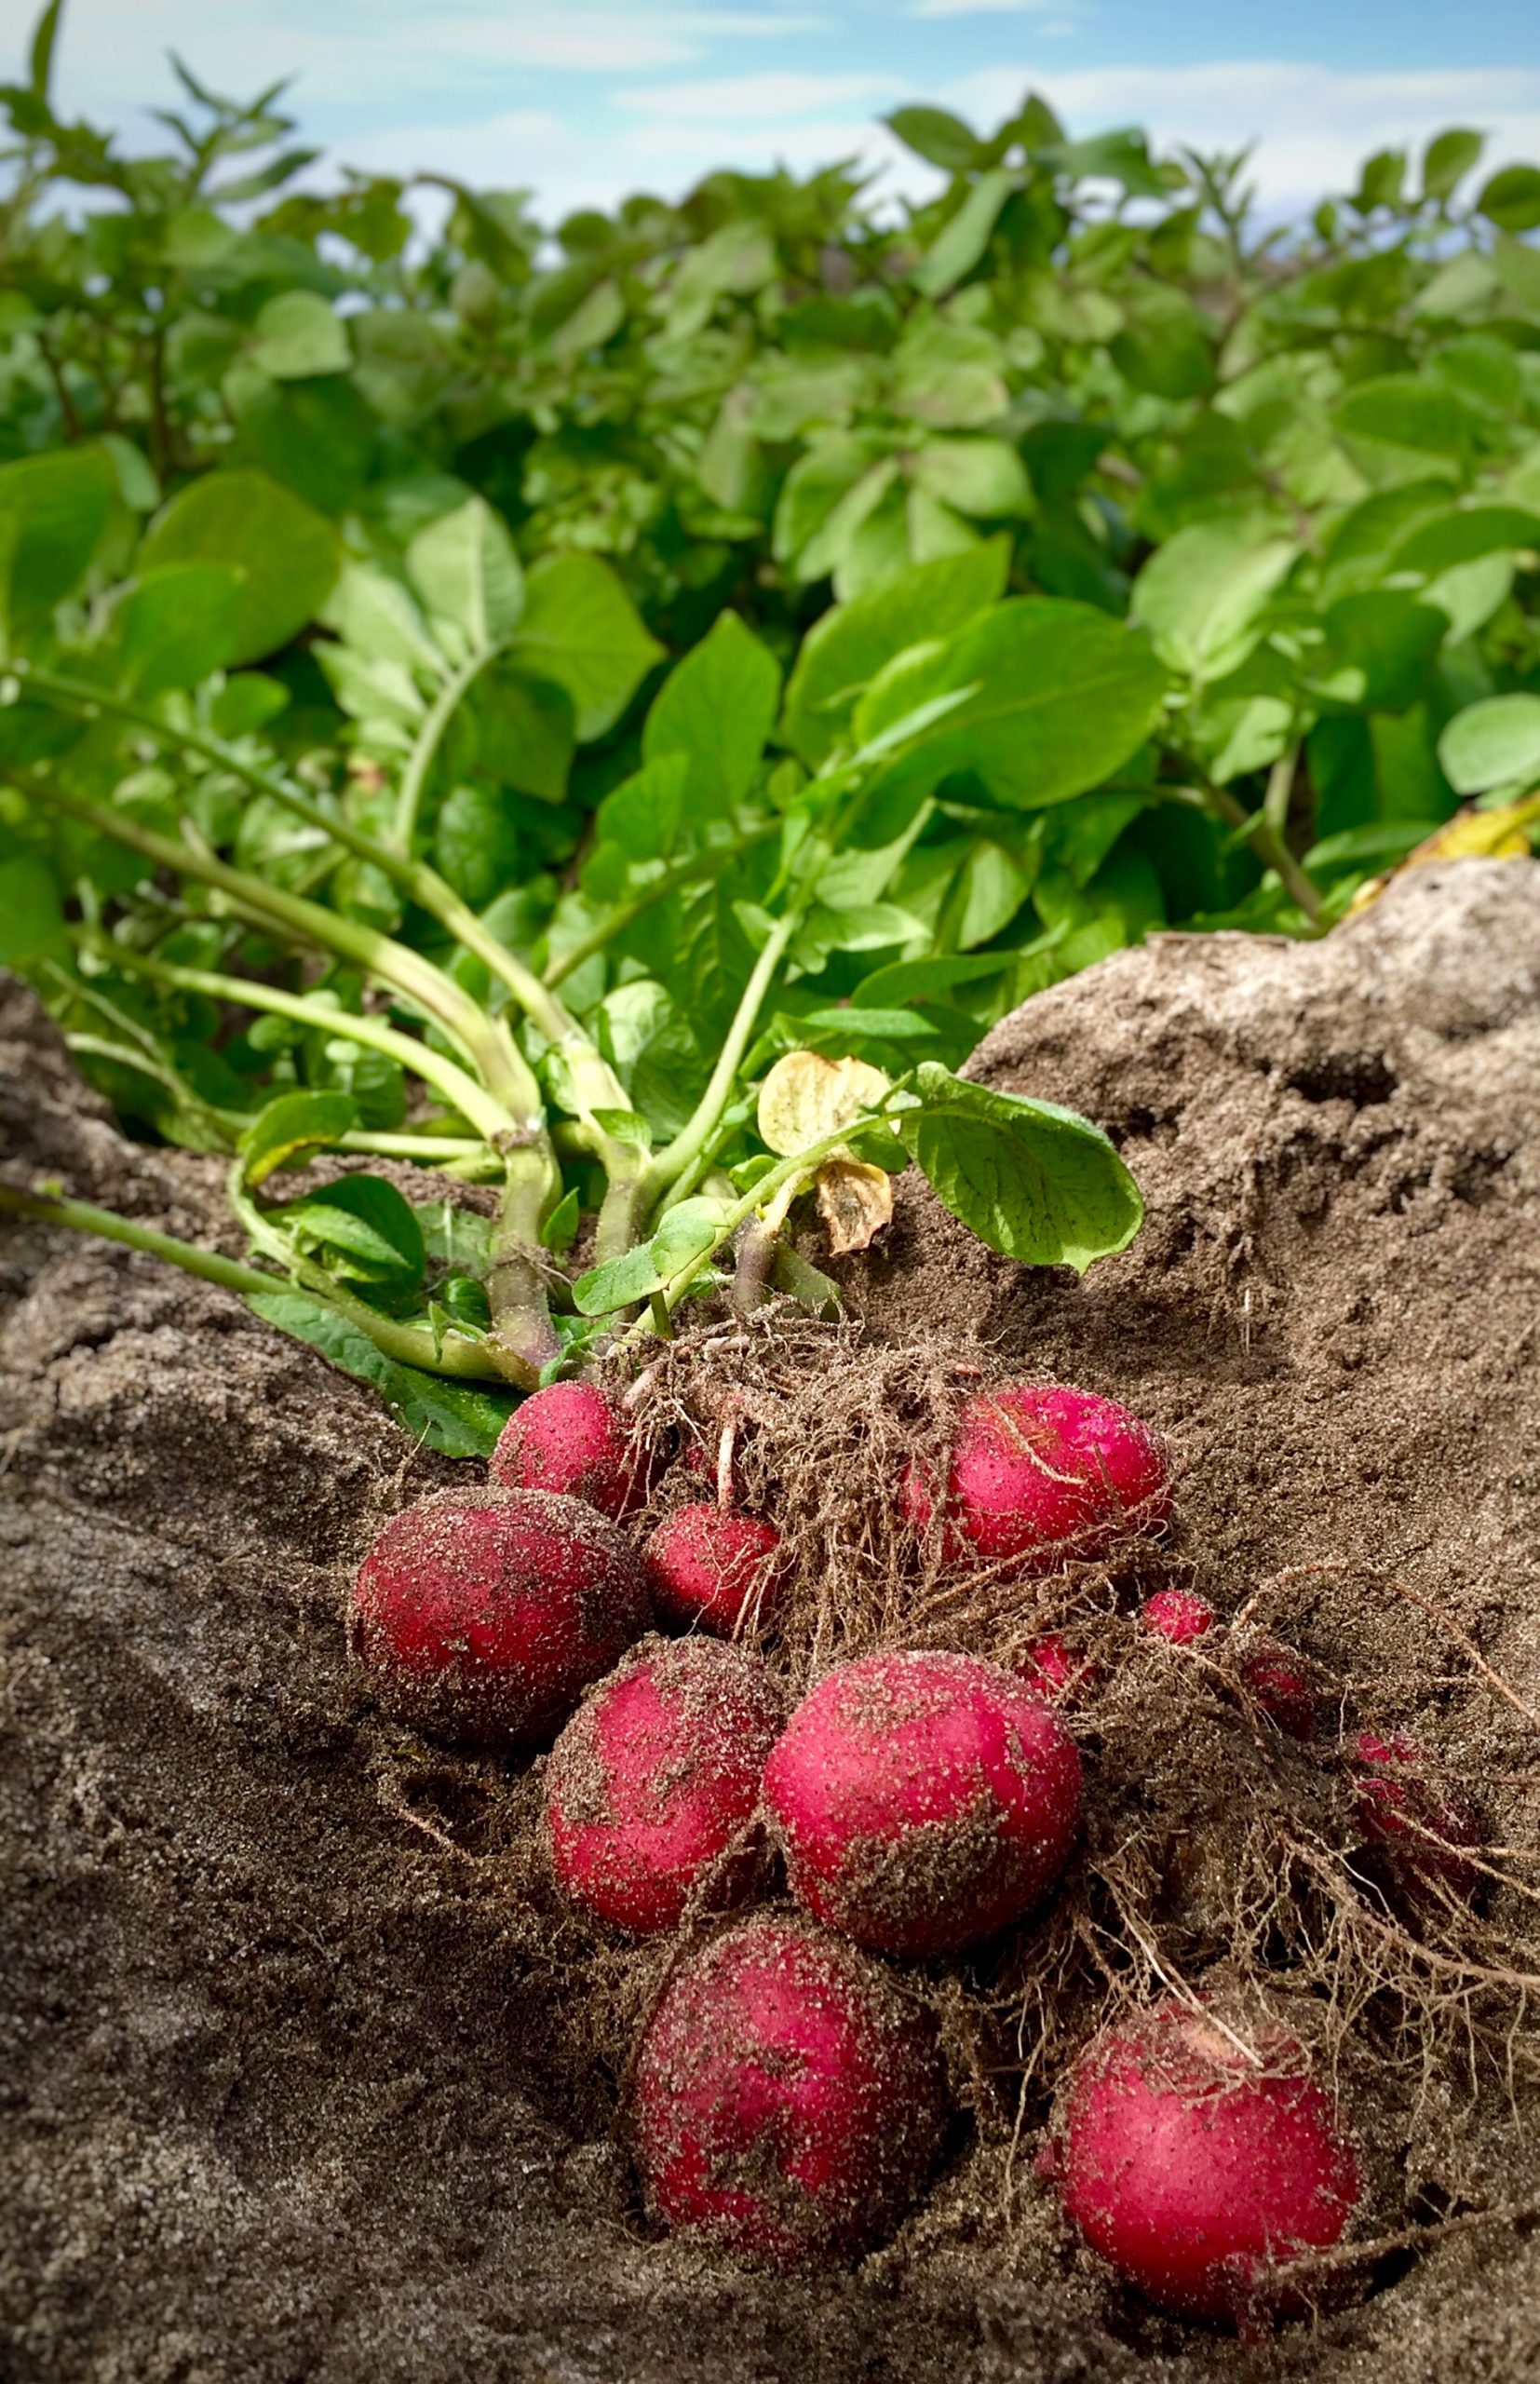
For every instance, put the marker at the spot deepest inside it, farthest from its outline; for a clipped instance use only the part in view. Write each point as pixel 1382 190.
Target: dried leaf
pixel 805 1097
pixel 1499 835
pixel 854 1202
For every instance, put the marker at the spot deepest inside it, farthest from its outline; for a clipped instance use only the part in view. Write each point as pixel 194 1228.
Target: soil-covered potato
pixel 301 2062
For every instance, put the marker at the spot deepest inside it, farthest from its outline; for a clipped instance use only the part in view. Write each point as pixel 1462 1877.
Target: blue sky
pixel 584 99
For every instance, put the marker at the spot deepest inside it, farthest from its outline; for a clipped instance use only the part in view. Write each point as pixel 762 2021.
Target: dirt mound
pixel 287 2091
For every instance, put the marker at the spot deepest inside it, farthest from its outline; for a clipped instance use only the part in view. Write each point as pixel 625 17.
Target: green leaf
pixel 476 843
pixel 54 512
pixel 1379 645
pixel 949 375
pixel 1037 1183
pixel 1493 743
pixel 559 1230
pixel 287 554
pixel 448 1417
pixel 1166 346
pixel 371 1230
pixel 1446 159
pixel 934 134
pixel 1056 696
pixel 45 35
pixel 618 1283
pixel 1401 425
pixel 456 1237
pixel 716 708
pixel 963 237
pixel 177 626
pixel 524 732
pixel 843 651
pixel 981 477
pixel 1202 594
pixel 912 981
pixel 1461 537
pixel 297 336
pixel 464 569
pixel 289 1129
pixel 645 815
pixel 1511 199
pixel 581 631
pixel 32 917
pixel 686 1232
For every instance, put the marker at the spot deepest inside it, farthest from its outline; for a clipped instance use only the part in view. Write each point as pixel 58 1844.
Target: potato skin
pixel 923 1800
pixel 485 1614
pixel 788 2101
pixel 1042 1471
pixel 1199 2173
pixel 712 1569
pixel 574 1441
pixel 655 1776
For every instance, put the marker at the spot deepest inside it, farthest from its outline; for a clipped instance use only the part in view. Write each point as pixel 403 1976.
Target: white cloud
pixel 1312 126
pixel 384 55
pixel 760 97
pixel 985 8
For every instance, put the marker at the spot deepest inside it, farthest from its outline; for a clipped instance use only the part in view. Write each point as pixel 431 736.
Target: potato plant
pixel 617 723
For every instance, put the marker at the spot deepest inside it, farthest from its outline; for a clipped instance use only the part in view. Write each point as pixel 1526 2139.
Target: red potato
pixel 1041 1470
pixel 788 2099
pixel 1277 1681
pixel 1200 2167
pixel 713 1570
pixel 923 1801
pixel 486 1614
pixel 1180 1615
pixel 1415 1826
pixel 572 1440
pixel 1057 1671
pixel 655 1776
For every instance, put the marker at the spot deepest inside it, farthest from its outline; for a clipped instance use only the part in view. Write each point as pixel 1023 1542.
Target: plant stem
pixel 459 1089
pixel 770 1200
pixel 407 1344
pixel 595 1083
pixel 1259 832
pixel 420 883
pixel 674 1163
pixel 108 1226
pixel 408 800
pixel 503 1073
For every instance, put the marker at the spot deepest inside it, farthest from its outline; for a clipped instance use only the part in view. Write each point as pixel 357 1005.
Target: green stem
pixel 459 1089
pixel 623 914
pixel 770 1199
pixel 489 1048
pixel 523 1339
pixel 488 1042
pixel 676 1160
pixel 420 883
pixel 424 752
pixel 108 1226
pixel 407 1345
pixel 1259 832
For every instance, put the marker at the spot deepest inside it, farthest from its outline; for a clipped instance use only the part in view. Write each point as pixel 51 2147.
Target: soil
pixel 288 2098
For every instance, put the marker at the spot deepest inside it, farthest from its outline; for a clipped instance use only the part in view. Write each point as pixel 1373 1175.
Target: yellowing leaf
pixel 1502 834
pixel 806 1097
pixel 855 1201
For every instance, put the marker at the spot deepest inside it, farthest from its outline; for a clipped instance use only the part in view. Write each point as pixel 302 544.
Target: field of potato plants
pixel 769 1143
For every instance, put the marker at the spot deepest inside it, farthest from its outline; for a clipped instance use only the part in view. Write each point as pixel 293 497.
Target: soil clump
pixel 289 2062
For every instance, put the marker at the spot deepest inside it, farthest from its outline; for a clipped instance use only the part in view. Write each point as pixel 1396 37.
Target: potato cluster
pixel 789 2096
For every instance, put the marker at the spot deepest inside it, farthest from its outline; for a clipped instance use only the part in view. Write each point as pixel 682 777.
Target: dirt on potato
pixel 303 2078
